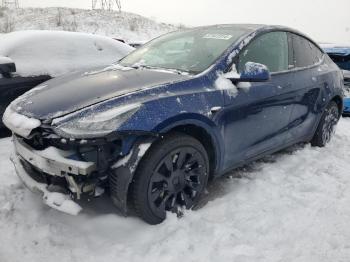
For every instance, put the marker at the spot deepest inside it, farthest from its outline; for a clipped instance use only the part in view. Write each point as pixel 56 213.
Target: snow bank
pixel 121 25
pixel 57 52
pixel 292 206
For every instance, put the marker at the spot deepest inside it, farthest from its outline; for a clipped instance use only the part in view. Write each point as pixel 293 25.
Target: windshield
pixel 191 51
pixel 343 62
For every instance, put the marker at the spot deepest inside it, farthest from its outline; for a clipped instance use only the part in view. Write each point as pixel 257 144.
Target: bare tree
pixel 106 4
pixel 119 5
pixel 8 24
pixel 59 17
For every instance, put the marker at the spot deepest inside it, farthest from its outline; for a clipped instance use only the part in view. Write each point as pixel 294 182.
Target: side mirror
pixel 253 72
pixel 7 66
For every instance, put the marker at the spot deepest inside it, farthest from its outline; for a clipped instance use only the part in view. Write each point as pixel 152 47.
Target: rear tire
pixel 326 127
pixel 172 175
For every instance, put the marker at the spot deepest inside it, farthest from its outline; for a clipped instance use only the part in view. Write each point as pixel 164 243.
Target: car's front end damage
pixel 83 134
pixel 71 147
pixel 66 168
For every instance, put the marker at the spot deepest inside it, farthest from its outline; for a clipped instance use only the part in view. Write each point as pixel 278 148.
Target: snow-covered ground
pixel 292 206
pixel 123 25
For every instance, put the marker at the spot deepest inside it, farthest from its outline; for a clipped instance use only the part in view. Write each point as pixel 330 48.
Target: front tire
pixel 326 127
pixel 172 175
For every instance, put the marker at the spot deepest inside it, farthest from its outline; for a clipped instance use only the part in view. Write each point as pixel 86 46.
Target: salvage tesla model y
pixel 187 106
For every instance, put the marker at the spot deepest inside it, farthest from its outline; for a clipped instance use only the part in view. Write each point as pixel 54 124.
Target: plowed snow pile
pixel 292 206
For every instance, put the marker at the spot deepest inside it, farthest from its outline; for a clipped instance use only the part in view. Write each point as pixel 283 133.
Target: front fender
pixel 173 110
pixel 122 173
pixel 198 121
pixel 156 114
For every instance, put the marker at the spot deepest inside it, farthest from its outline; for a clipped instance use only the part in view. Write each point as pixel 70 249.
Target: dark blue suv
pixel 191 105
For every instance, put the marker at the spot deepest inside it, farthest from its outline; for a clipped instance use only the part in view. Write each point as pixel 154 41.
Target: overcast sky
pixel 323 20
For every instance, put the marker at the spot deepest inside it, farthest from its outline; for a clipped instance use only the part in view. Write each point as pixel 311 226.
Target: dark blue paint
pixel 269 116
pixel 255 77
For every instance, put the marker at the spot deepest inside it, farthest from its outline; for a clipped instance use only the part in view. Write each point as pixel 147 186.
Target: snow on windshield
pixel 55 52
pixel 192 50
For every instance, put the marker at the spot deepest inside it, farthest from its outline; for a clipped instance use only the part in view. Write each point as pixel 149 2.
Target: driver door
pixel 256 120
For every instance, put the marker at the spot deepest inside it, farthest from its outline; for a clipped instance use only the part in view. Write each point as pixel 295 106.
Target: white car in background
pixel 28 58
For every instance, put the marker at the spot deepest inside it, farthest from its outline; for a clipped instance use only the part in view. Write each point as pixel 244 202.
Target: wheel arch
pixel 206 132
pixel 204 138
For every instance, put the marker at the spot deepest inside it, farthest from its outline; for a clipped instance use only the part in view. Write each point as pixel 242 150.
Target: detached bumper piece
pixel 56 200
pixel 55 176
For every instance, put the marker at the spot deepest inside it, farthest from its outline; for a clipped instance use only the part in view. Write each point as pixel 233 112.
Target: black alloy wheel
pixel 327 125
pixel 170 177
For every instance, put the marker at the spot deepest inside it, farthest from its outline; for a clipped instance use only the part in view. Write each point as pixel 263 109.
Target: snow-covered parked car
pixel 184 107
pixel 340 54
pixel 28 58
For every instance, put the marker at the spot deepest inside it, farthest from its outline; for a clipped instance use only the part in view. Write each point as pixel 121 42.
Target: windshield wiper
pixel 177 71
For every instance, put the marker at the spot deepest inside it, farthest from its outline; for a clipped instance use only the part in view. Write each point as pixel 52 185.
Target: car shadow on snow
pixel 102 205
pixel 216 188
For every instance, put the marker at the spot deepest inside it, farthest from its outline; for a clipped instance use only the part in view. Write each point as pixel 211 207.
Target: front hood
pixel 72 92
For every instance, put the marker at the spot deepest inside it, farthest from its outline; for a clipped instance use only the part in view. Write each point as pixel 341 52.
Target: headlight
pixel 94 123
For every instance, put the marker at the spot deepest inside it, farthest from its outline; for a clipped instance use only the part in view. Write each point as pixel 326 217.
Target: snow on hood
pixel 72 92
pixel 56 52
pixel 19 124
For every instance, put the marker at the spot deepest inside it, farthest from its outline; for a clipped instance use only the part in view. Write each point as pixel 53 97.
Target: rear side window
pixel 270 49
pixel 305 53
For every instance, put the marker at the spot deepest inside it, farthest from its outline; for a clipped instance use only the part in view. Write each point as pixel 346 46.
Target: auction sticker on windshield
pixel 218 36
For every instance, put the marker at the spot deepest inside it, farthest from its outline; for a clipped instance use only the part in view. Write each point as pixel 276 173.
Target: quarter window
pixel 270 49
pixel 305 52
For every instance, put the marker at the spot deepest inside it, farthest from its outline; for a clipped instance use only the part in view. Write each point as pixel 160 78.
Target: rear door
pixel 256 120
pixel 311 76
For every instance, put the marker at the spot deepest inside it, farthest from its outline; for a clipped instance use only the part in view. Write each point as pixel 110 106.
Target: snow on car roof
pixel 57 52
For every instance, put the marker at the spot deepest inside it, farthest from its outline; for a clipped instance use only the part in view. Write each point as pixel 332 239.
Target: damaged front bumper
pixel 52 174
pixel 57 200
pixel 52 160
pixel 61 176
